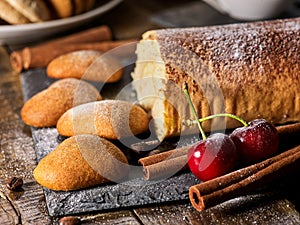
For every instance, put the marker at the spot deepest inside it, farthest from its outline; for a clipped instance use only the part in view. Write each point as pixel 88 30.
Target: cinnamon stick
pixel 243 181
pixel 34 58
pixel 97 34
pixel 288 131
pixel 162 165
pixel 165 164
pixel 150 160
pixel 165 169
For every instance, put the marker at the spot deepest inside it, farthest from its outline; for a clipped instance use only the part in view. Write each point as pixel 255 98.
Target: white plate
pixel 25 33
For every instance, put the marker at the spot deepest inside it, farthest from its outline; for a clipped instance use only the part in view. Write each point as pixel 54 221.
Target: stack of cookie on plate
pixel 33 11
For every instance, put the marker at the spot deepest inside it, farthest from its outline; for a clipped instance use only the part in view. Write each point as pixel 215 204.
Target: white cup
pixel 250 9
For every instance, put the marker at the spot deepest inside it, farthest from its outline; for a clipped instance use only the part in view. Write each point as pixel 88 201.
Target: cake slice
pixel 247 69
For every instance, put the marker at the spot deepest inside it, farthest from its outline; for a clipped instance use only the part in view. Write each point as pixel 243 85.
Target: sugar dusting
pixel 262 210
pixel 46 140
pixel 246 45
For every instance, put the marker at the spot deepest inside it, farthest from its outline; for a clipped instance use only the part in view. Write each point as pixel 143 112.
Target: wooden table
pixel 280 205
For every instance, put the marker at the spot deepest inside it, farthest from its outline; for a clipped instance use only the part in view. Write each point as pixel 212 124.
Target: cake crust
pixel 249 69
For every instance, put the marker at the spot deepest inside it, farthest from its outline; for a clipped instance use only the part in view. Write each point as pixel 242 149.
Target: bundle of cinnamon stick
pixel 244 181
pixel 38 56
pixel 235 184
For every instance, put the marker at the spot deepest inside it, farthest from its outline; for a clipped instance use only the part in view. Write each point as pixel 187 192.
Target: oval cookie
pixel 112 119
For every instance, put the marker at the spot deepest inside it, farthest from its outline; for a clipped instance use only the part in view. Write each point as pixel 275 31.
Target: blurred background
pixel 130 18
pixel 133 17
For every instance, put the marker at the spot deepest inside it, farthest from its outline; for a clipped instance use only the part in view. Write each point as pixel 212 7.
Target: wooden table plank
pixel 8 213
pixel 17 155
pixel 119 217
pixel 244 210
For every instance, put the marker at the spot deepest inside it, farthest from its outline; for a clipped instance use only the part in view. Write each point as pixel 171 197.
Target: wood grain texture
pixel 8 213
pixel 15 138
pixel 253 209
pixel 17 156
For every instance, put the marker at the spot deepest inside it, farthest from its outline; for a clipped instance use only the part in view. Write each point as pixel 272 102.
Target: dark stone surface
pixel 134 192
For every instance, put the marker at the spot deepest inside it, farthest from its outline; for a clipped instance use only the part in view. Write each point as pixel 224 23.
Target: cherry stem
pixel 189 122
pixel 186 92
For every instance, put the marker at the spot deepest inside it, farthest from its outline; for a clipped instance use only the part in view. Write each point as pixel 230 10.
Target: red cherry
pixel 256 142
pixel 212 157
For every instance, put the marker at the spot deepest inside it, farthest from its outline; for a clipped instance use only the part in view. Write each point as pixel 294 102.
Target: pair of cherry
pixel 220 153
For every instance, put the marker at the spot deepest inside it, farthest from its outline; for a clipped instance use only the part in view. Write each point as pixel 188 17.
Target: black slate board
pixel 134 192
